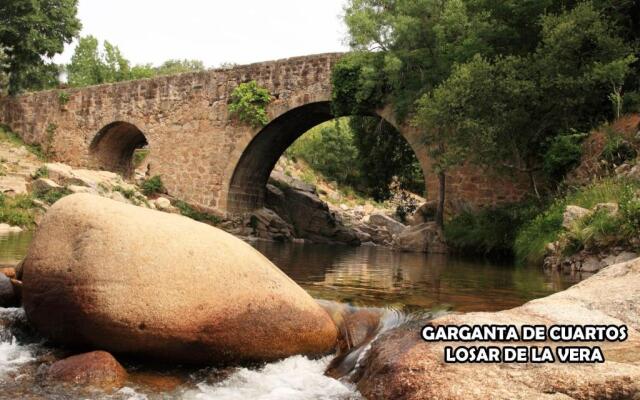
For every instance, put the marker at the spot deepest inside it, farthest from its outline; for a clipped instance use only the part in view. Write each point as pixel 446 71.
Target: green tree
pixel 86 67
pixel 116 67
pixel 90 66
pixel 171 67
pixel 30 32
pixel 382 154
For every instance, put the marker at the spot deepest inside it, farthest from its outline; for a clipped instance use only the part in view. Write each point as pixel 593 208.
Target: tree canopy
pixel 32 31
pixel 502 79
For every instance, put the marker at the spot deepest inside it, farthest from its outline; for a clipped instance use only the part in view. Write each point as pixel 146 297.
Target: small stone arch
pixel 113 147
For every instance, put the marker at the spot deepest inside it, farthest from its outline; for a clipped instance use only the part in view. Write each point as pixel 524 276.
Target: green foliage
pixel 617 150
pixel 248 103
pixel 190 212
pixel 42 172
pixel 152 186
pixel 382 155
pixel 364 153
pixel 17 210
pixel 489 232
pixel 139 155
pixel 563 154
pixel 52 195
pixel 63 97
pixel 329 149
pixel 547 227
pixel 90 66
pixel 171 67
pixel 31 31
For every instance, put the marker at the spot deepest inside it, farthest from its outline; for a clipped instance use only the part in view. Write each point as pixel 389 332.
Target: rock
pixel 426 237
pixel 400 365
pixel 625 256
pixel 9 272
pixel 344 207
pixel 572 214
pixel 12 185
pixel 97 369
pixel 6 229
pixel 309 216
pixel 425 213
pixel 7 294
pixel 634 172
pixel 393 226
pixel 163 204
pixel 266 224
pixel 43 185
pixel 80 189
pixel 609 208
pixel 203 314
pixel 591 264
pixel 119 197
pixel 59 172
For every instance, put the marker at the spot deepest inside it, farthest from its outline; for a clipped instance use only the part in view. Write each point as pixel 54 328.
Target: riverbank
pixel 314 212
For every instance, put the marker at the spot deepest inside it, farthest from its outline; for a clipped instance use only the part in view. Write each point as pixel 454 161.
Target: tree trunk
pixel 534 186
pixel 441 197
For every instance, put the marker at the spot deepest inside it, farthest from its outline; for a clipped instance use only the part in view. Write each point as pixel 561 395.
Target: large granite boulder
pixel 400 365
pixel 426 237
pixel 307 213
pixel 111 276
pixel 381 220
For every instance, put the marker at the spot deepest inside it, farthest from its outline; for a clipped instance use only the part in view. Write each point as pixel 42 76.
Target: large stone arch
pixel 247 183
pixel 113 146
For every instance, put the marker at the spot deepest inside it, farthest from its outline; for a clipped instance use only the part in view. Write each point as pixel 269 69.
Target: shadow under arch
pixel 113 147
pixel 247 187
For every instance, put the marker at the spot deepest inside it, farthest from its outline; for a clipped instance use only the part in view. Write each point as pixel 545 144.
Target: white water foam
pixel 12 354
pixel 294 378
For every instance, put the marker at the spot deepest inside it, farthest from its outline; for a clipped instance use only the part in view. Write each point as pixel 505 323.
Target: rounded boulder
pixel 131 280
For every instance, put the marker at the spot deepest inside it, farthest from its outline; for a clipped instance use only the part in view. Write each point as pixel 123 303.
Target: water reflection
pixel 374 276
pixel 13 247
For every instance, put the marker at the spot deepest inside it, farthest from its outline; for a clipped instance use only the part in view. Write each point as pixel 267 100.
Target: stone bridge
pixel 204 156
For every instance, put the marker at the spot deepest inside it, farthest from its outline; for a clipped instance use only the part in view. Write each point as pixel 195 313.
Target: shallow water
pixel 379 277
pixel 398 286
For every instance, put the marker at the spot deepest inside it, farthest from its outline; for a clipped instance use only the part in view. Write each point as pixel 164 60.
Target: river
pixel 399 285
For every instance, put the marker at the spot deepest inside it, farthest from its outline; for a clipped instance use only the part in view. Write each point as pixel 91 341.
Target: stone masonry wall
pixel 193 143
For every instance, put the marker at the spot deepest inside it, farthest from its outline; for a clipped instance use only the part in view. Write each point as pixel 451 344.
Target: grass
pixel 188 211
pixel 532 239
pixel 152 186
pixel 6 135
pixel 17 210
pixel 52 195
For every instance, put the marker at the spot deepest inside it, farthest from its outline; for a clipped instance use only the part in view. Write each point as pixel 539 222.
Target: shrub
pixel 248 103
pixel 17 210
pixel 63 98
pixel 563 154
pixel 617 150
pixel 53 195
pixel 490 231
pixel 41 172
pixel 597 230
pixel 188 211
pixel 329 149
pixel 152 186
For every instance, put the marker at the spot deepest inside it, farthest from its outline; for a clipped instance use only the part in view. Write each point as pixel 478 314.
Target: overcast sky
pixel 214 31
